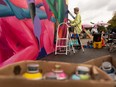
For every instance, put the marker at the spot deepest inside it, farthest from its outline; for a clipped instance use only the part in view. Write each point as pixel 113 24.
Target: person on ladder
pixel 76 24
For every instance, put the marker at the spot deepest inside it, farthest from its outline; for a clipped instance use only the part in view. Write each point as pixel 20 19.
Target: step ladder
pixel 62 43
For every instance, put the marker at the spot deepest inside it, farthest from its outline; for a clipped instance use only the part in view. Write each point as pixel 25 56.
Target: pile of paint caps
pixel 34 73
pixel 89 44
pixel 81 73
pixel 56 73
pixel 109 69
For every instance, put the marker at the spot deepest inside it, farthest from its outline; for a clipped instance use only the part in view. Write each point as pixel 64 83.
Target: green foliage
pixel 101 28
pixel 109 27
pixel 113 21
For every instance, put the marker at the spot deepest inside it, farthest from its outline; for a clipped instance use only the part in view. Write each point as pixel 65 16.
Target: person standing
pixel 76 23
pixel 94 30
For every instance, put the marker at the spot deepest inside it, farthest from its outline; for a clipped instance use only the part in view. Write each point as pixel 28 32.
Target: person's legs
pixel 78 47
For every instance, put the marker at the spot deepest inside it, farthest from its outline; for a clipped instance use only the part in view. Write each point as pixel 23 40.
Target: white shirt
pixel 94 30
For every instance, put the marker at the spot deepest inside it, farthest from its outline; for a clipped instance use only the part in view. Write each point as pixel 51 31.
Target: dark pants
pixel 71 29
pixel 76 36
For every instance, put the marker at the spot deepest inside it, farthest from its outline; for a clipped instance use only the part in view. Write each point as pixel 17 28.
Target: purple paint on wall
pixel 30 1
pixel 37 27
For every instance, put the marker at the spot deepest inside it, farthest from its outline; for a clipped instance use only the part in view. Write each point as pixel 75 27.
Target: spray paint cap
pixel 33 68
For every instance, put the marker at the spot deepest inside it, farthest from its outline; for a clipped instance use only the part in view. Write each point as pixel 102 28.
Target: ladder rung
pixel 61 46
pixel 62 38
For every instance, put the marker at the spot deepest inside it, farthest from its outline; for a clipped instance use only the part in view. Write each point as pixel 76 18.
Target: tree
pixel 102 28
pixel 113 21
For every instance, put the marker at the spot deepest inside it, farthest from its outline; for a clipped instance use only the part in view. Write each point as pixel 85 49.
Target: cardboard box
pixel 8 79
pixel 98 61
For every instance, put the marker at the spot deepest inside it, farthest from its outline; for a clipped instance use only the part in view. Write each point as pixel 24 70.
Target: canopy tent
pixel 102 24
pixel 87 25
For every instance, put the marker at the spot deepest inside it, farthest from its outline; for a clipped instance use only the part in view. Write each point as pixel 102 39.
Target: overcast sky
pixel 94 10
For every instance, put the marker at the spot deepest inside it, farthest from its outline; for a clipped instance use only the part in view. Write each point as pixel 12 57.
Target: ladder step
pixel 61 46
pixel 62 39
